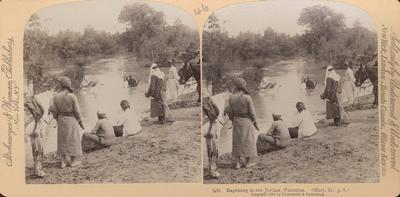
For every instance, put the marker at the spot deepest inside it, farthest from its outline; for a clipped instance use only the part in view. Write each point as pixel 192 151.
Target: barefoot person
pixel 241 112
pixel 67 113
pixel 277 136
pixel 101 136
pixel 128 120
pixel 303 126
pixel 330 94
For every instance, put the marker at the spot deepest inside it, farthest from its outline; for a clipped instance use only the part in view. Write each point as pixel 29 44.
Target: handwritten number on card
pixel 199 10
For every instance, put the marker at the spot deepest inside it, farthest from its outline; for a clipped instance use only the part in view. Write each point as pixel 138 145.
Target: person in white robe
pixel 128 119
pixel 349 85
pixel 303 123
pixel 173 83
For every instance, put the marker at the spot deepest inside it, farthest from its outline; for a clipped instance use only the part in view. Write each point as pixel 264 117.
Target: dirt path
pixel 160 153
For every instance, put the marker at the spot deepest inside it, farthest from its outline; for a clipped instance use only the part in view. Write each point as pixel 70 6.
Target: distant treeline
pixel 148 37
pixel 326 39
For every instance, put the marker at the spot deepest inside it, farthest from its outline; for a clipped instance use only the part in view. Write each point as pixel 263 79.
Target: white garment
pixel 349 86
pixel 173 84
pixel 305 122
pixel 130 122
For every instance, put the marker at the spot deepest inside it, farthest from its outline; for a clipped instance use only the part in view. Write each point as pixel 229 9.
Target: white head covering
pixel 154 70
pixel 331 74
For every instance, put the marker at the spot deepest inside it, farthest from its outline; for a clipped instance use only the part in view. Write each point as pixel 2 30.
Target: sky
pixel 282 15
pixel 101 15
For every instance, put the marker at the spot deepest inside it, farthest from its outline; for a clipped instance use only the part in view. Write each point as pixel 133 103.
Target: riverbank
pixel 346 154
pixel 159 153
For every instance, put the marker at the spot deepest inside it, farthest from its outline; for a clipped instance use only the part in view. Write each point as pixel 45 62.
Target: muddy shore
pixel 345 154
pixel 159 153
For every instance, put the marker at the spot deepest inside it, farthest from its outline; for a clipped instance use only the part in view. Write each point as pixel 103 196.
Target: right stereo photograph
pixel 290 94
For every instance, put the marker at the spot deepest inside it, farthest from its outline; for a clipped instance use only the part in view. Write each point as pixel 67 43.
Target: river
pixel 282 97
pixel 106 95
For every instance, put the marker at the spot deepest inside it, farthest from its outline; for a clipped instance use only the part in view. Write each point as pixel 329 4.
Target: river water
pixel 106 95
pixel 282 98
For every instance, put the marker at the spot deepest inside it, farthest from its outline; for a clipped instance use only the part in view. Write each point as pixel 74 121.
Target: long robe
pixel 173 84
pixel 67 113
pixel 241 112
pixel 154 91
pixel 332 103
pixel 349 86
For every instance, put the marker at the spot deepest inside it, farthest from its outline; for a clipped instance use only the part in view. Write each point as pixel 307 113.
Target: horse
pixel 188 71
pixel 365 73
pixel 37 115
pixel 214 107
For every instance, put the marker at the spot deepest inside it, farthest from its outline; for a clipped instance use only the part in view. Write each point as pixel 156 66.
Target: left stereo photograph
pixel 111 94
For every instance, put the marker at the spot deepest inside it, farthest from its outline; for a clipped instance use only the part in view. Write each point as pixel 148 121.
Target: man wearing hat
pixel 277 136
pixel 101 136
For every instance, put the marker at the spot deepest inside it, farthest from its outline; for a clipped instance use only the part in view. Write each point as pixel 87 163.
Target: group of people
pixel 65 109
pixel 240 109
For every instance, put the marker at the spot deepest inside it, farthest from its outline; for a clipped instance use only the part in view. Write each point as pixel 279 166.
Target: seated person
pixel 276 138
pixel 128 119
pixel 304 125
pixel 101 136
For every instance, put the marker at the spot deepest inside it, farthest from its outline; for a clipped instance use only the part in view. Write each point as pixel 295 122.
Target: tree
pixel 143 23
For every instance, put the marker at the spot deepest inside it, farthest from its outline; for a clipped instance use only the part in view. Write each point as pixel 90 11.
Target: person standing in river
pixel 240 110
pixel 330 94
pixel 68 115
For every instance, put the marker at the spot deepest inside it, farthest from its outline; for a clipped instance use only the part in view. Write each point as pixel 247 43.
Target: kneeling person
pixel 101 136
pixel 276 138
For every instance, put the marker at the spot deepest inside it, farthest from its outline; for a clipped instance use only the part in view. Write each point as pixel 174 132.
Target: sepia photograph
pixel 112 94
pixel 290 94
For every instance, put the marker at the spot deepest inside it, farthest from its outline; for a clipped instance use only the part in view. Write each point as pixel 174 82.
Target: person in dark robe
pixel 330 95
pixel 157 92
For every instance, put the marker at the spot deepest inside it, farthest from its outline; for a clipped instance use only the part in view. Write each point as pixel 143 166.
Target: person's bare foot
pixel 237 165
pixel 250 164
pixel 63 164
pixel 75 163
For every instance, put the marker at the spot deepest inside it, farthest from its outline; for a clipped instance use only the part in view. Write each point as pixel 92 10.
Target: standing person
pixel 157 92
pixel 241 112
pixel 349 84
pixel 277 136
pixel 128 120
pixel 330 94
pixel 304 124
pixel 101 136
pixel 173 82
pixel 67 113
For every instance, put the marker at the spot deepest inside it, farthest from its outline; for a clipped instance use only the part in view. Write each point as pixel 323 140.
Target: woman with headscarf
pixel 128 120
pixel 349 85
pixel 157 92
pixel 277 136
pixel 101 136
pixel 67 113
pixel 330 94
pixel 303 124
pixel 241 112
pixel 173 83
